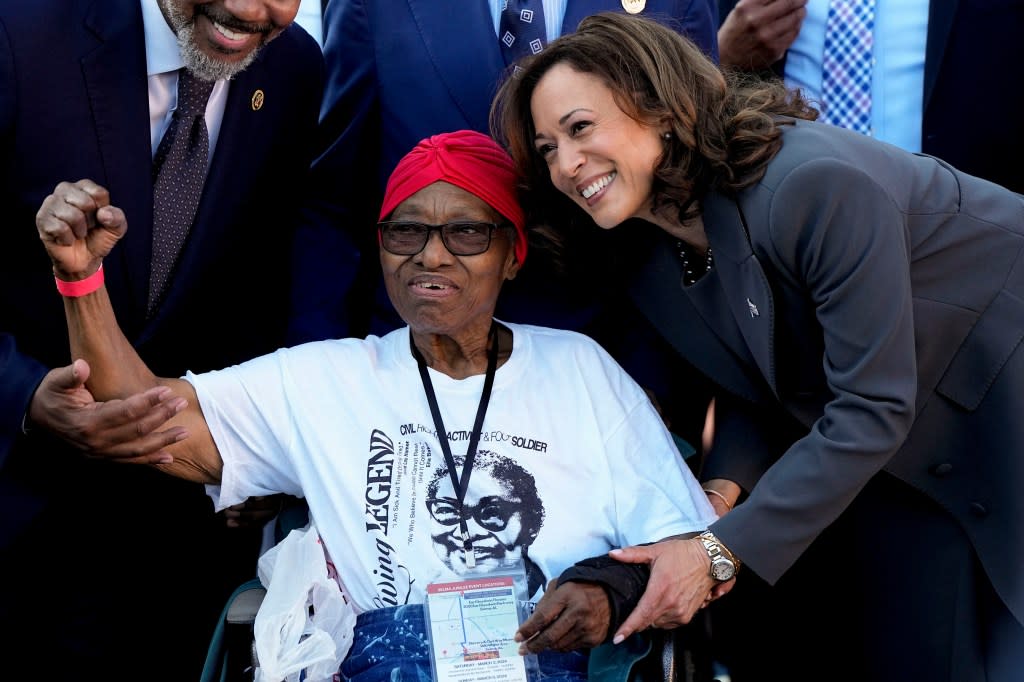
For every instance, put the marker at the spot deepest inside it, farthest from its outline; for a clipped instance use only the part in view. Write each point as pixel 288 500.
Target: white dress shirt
pixel 311 19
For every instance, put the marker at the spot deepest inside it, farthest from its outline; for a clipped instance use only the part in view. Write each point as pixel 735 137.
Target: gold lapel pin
pixel 257 100
pixel 634 6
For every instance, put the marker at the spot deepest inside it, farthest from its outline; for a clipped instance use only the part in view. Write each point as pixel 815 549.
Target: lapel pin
pixel 752 308
pixel 257 100
pixel 634 6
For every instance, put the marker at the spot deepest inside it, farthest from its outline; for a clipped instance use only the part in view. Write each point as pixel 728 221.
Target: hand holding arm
pixel 679 585
pixel 757 33
pixel 121 430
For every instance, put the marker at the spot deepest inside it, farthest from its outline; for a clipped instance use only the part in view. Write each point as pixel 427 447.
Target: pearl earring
pixel 667 136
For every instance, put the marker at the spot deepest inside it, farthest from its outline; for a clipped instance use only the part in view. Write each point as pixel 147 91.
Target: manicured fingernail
pixel 615 551
pixel 181 436
pixel 618 639
pixel 166 459
pixel 180 404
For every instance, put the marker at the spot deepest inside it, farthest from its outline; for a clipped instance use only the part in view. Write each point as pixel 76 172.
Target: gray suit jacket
pixel 879 297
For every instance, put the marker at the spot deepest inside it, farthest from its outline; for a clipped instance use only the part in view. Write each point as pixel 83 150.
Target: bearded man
pixel 98 561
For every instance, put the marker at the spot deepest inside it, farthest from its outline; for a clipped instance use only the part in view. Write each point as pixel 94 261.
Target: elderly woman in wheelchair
pixel 455 451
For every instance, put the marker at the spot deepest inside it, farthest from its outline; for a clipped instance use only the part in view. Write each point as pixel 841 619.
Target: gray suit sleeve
pixel 838 237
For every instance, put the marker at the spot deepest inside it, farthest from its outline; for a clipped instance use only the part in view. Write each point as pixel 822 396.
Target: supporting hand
pixel 679 585
pixel 121 430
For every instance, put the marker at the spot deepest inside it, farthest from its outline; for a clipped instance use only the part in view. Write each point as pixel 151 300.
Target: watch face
pixel 722 569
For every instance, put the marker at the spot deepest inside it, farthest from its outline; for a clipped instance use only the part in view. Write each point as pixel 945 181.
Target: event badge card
pixel 472 623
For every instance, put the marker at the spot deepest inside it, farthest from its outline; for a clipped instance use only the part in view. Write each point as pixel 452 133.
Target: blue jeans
pixel 390 645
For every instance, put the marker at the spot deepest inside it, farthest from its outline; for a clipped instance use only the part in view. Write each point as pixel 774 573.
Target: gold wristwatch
pixel 724 563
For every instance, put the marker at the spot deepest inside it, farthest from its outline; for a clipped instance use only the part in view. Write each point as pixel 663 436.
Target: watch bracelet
pixel 726 552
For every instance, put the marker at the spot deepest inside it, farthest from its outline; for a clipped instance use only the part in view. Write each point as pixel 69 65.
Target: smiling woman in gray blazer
pixel 861 310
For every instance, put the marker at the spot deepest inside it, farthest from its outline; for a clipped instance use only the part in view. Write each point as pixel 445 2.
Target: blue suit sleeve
pixel 19 377
pixel 700 24
pixel 326 294
pixel 19 374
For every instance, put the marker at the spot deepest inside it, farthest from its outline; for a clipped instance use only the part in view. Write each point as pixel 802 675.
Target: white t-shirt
pixel 573 459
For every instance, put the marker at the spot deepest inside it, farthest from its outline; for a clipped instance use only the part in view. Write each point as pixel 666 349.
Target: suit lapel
pixel 940 23
pixel 471 85
pixel 115 77
pixel 656 291
pixel 746 287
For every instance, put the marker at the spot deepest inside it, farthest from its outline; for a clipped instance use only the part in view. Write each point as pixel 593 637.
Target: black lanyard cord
pixel 461 484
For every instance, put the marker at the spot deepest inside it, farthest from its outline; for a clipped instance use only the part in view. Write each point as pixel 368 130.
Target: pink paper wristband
pixel 82 286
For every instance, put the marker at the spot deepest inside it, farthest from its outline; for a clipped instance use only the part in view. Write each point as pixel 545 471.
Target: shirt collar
pixel 162 53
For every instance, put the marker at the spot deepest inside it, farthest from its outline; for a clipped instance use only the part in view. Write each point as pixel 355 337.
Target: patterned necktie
pixel 521 31
pixel 179 170
pixel 846 67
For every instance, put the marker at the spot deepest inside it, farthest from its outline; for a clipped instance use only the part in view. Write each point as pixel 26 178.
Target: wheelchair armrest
pixel 232 653
pixel 242 609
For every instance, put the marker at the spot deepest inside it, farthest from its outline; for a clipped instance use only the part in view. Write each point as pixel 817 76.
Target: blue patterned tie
pixel 521 31
pixel 846 67
pixel 179 171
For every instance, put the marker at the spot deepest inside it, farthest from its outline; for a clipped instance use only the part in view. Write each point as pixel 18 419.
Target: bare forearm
pixel 118 371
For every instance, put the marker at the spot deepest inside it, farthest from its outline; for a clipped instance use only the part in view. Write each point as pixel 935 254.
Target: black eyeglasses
pixel 491 513
pixel 407 238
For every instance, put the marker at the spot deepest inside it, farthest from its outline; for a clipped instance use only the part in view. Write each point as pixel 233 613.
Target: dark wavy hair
pixel 725 127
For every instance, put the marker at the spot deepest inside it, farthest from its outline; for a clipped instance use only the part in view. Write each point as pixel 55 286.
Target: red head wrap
pixel 466 159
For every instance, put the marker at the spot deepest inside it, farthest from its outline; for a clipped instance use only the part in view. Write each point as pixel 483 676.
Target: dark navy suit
pixel 121 561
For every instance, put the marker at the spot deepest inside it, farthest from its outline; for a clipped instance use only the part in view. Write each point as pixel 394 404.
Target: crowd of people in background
pixel 795 224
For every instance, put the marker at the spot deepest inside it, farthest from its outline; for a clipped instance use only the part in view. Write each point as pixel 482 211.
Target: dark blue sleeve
pixel 19 374
pixel 328 289
pixel 19 377
pixel 700 24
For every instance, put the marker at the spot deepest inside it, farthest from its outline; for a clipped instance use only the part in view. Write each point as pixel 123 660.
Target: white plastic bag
pixel 304 622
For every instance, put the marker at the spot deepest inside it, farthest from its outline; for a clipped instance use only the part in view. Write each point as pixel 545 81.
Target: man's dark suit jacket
pixel 74 104
pixel 971 111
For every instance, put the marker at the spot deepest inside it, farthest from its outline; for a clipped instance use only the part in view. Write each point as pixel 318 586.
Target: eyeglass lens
pixel 405 238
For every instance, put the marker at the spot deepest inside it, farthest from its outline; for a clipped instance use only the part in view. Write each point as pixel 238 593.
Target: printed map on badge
pixel 472 623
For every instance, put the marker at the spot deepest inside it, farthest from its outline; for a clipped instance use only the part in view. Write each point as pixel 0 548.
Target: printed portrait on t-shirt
pixel 502 510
